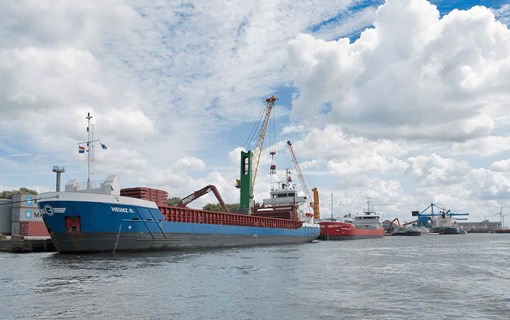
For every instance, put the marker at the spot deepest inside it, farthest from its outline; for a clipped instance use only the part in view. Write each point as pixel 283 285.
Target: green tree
pixel 232 207
pixel 173 201
pixel 7 194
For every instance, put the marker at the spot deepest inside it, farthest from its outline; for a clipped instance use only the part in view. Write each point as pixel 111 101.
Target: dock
pixel 20 244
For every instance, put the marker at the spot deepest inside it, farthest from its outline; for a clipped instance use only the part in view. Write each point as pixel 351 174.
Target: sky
pixel 404 102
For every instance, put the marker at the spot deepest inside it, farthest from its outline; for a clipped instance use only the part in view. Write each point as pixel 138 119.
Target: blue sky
pixel 403 101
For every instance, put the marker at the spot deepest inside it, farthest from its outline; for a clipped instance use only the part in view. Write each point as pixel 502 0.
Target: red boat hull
pixel 332 230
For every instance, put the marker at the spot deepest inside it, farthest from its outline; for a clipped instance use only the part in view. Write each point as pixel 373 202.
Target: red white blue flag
pixel 81 149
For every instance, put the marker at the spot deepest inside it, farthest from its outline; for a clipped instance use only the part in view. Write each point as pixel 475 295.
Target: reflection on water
pixel 462 276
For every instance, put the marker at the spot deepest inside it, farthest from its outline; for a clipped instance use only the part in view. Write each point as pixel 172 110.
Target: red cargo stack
pixel 158 196
pixel 33 228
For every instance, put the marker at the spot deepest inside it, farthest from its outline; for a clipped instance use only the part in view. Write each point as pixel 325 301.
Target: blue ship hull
pixel 84 222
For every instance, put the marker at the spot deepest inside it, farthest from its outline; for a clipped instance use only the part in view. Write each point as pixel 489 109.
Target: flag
pixel 81 149
pixel 103 146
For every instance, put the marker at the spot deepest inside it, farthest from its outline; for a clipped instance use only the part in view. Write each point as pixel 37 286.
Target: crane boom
pixel 257 151
pixel 314 202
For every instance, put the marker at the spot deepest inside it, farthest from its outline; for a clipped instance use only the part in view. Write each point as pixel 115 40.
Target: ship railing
pixel 188 215
pixel 82 185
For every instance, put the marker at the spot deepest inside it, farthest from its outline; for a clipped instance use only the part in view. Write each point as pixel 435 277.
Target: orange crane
pixel 314 204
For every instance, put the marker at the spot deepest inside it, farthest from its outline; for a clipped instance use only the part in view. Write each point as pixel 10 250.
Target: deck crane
pixel 250 161
pixel 314 202
pixel 197 194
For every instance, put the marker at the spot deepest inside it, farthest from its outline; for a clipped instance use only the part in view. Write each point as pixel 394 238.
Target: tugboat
pixel 362 226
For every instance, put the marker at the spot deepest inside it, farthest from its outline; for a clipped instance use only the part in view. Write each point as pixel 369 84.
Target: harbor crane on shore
pixel 250 160
pixel 425 218
pixel 314 202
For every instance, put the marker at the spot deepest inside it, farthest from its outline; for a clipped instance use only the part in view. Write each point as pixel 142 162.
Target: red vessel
pixel 364 226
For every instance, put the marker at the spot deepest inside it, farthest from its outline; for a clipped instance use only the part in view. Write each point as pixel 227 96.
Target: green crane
pixel 250 161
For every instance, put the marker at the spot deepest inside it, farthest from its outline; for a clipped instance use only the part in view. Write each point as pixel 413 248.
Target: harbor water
pixel 427 277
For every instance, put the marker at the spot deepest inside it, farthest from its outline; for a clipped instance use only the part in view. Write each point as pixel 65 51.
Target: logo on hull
pixel 47 209
pixel 50 211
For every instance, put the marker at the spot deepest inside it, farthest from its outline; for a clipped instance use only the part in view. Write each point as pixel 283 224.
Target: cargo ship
pixel 90 221
pixel 105 218
pixel 362 226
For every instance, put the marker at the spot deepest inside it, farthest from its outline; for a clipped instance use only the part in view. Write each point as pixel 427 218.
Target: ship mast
pixel 90 152
pixel 368 212
pixel 331 206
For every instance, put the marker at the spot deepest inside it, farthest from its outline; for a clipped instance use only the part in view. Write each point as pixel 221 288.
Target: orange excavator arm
pixel 391 224
pixel 197 194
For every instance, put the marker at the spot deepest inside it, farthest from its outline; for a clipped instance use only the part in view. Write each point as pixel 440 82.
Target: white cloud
pixel 414 75
pixel 484 147
pixel 501 166
pixel 490 185
pixel 48 23
pixel 436 170
pixel 189 164
pixel 351 155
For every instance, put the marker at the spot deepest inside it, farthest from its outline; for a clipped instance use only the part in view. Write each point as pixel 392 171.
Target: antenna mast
pixel 331 206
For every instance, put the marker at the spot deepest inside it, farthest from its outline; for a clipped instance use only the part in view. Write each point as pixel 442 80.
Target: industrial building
pixel 484 226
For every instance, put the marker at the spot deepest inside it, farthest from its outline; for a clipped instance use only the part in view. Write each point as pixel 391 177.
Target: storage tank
pixel 5 216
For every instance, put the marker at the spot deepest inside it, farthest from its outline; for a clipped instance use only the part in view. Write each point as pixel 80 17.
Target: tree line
pixel 7 194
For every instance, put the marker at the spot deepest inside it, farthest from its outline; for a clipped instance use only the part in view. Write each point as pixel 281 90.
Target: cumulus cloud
pixel 501 166
pixel 57 24
pixel 54 70
pixel 189 163
pixel 350 155
pixel 414 75
pixel 436 170
pixel 489 185
pixel 484 147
